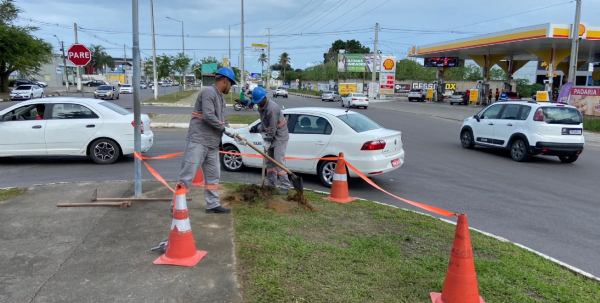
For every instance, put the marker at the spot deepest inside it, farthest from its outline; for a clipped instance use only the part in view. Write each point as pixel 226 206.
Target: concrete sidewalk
pixel 102 254
pixel 453 112
pixel 177 121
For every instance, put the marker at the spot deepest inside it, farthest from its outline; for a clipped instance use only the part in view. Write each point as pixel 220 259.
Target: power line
pixel 293 14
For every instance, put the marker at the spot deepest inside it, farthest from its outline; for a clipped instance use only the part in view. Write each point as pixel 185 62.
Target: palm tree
pixel 262 60
pixel 100 58
pixel 284 60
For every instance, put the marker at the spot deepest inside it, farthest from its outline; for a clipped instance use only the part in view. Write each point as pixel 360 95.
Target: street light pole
pixel 154 51
pixel 62 45
pixel 575 44
pixel 242 83
pixel 183 47
pixel 137 116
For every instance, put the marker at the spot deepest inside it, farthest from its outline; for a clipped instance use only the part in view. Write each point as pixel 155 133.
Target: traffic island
pixel 366 252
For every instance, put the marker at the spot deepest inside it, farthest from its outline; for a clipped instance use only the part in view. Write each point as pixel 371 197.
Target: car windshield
pixel 359 95
pixel 415 90
pixel 328 92
pixel 126 85
pixel 359 123
pixel 104 87
pixel 24 87
pixel 561 115
pixel 115 108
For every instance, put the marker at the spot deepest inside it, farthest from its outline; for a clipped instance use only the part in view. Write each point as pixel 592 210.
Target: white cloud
pixel 310 64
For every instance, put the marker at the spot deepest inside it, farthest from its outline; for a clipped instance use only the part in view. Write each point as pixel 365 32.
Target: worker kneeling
pixel 275 135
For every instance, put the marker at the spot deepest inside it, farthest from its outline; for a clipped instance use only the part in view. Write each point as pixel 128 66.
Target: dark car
pixel 18 82
pixel 513 96
pixel 96 83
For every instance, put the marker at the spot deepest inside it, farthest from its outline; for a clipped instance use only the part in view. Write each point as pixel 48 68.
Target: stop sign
pixel 79 55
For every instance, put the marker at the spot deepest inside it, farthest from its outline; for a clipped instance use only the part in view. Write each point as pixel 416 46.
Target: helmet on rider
pixel 227 72
pixel 258 94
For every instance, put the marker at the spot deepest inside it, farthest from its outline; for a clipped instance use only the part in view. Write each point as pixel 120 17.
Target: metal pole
pixel 183 46
pixel 79 86
pixel 137 137
pixel 154 51
pixel 268 60
pixel 575 44
pixel 229 42
pixel 242 83
pixel 65 63
pixel 375 54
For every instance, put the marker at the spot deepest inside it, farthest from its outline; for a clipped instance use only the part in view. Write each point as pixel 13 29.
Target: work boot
pixel 284 192
pixel 218 210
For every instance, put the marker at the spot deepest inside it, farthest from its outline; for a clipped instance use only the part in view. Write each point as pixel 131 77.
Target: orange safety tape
pixel 211 186
pixel 287 158
pixel 153 172
pixel 432 209
pixel 162 157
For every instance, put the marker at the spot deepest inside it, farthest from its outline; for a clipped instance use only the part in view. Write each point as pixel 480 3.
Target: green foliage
pixel 181 63
pixel 284 61
pixel 592 124
pixel 497 74
pixel 164 66
pixel 100 58
pixel 262 60
pixel 527 90
pixel 19 49
pixel 412 69
pixel 350 46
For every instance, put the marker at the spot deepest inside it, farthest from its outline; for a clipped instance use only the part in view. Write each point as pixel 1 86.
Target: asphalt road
pixel 546 205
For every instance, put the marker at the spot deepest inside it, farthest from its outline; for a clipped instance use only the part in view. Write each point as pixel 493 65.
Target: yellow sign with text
pixel 346 88
pixel 429 93
pixel 542 96
pixel 474 95
pixel 226 62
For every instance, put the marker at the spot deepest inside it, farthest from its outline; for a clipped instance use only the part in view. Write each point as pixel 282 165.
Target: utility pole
pixel 183 46
pixel 269 59
pixel 137 119
pixel 375 56
pixel 575 44
pixel 154 51
pixel 79 84
pixel 242 83
pixel 229 42
pixel 124 63
pixel 65 63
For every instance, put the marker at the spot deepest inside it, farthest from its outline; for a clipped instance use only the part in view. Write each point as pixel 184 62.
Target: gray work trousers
pixel 273 171
pixel 198 156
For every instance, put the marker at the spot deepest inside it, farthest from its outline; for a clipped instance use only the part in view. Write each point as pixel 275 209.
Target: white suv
pixel 527 128
pixel 416 94
pixel 280 91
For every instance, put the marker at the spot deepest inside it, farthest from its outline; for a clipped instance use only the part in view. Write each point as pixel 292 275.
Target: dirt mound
pixel 301 200
pixel 280 206
pixel 251 194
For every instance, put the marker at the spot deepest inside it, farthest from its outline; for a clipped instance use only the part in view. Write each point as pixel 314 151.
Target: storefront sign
pixel 586 99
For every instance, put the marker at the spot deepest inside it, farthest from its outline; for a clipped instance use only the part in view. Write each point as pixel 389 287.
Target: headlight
pixel 95 93
pixel 108 93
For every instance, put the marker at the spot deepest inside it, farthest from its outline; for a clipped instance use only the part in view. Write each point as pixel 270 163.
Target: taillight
pixel 354 99
pixel 141 125
pixel 539 115
pixel 560 105
pixel 373 145
pixel 367 100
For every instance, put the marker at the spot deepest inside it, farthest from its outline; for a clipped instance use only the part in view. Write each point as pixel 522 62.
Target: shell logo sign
pixel 389 64
pixel 582 30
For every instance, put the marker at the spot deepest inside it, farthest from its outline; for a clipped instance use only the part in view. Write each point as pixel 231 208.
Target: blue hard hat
pixel 227 72
pixel 258 94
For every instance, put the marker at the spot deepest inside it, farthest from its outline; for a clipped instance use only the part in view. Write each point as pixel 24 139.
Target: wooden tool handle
pixel 264 155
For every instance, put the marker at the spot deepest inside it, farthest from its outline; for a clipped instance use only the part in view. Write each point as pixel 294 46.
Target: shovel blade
pixel 298 184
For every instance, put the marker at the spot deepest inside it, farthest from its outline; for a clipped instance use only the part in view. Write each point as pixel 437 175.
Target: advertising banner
pixel 387 75
pixel 586 99
pixel 350 63
pixel 209 68
pixel 226 62
pixel 474 95
pixel 275 74
pixel 401 88
pixel 429 93
pixel 565 91
pixel 323 87
pixel 346 88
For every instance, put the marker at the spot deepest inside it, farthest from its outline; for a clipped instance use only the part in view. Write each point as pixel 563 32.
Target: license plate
pixel 396 162
pixel 575 131
pixel 101 95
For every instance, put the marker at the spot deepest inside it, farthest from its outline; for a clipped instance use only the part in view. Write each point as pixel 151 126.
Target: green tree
pixel 197 69
pixel 284 60
pixel 411 69
pixel 181 63
pixel 262 60
pixel 164 66
pixel 350 46
pixel 149 68
pixel 497 74
pixel 19 49
pixel 100 58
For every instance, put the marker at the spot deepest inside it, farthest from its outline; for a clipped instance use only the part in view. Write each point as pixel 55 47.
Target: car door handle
pixel 36 126
pixel 320 143
pixel 491 123
pixel 90 126
pixel 509 124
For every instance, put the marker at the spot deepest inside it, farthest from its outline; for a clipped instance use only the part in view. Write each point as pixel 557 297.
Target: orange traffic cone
pixel 198 179
pixel 339 188
pixel 181 248
pixel 460 284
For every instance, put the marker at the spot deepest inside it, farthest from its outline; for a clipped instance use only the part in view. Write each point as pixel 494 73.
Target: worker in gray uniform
pixel 275 136
pixel 208 123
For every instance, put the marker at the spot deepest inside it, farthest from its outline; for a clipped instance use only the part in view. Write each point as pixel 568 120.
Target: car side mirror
pixel 477 118
pixel 253 129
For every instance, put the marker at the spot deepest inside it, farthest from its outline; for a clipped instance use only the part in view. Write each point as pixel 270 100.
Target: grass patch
pixel 365 252
pixel 229 98
pixel 7 194
pixel 242 119
pixel 173 97
pixel 591 124
pixel 306 92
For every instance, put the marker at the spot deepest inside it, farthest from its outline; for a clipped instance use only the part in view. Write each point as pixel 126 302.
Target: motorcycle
pixel 239 105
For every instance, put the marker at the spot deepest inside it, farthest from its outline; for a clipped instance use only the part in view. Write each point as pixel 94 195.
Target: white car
pixel 527 128
pixel 355 100
pixel 417 94
pixel 26 92
pixel 70 127
pixel 280 91
pixel 324 132
pixel 126 89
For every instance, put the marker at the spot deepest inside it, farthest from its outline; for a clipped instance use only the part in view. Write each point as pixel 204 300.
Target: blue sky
pixel 320 22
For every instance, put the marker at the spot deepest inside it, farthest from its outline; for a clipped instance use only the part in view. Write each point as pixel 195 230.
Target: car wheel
pixel 237 107
pixel 104 151
pixel 232 162
pixel 326 172
pixel 568 159
pixel 451 103
pixel 118 96
pixel 518 151
pixel 274 96
pixel 466 139
pixel 42 95
pixel 366 107
pixel 342 103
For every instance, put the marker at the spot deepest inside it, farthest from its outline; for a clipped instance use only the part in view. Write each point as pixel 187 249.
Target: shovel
pixel 263 171
pixel 296 181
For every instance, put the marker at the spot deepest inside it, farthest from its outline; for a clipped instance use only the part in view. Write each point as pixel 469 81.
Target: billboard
pixel 387 75
pixel 346 88
pixel 586 99
pixel 357 63
pixel 209 68
pixel 441 62
pixel 401 88
pixel 226 62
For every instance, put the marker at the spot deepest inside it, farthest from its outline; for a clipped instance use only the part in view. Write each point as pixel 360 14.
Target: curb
pixel 185 125
pixel 305 96
pixel 174 104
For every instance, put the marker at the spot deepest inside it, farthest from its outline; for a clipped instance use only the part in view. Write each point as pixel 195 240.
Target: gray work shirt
pixel 274 123
pixel 209 118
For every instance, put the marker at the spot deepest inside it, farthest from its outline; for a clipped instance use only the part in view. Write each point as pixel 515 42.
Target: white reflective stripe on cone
pixel 181 202
pixel 182 225
pixel 340 177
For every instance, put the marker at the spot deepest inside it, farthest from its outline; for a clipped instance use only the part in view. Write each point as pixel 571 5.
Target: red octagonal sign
pixel 79 55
